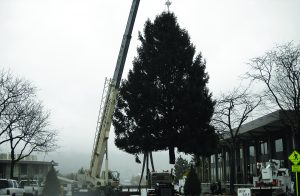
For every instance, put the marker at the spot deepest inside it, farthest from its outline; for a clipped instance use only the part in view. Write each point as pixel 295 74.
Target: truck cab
pixel 10 187
pixel 31 187
pixel 161 184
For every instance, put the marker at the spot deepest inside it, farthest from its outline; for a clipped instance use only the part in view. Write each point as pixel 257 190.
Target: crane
pixel 92 176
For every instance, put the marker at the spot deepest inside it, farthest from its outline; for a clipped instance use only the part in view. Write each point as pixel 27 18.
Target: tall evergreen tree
pixel 164 103
pixel 52 185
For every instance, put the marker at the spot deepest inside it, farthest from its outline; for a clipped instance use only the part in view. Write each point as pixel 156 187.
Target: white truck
pixel 31 187
pixel 272 178
pixel 161 184
pixel 10 187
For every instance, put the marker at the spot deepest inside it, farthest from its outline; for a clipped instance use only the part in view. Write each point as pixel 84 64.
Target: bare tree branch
pixel 23 121
pixel 279 71
pixel 231 111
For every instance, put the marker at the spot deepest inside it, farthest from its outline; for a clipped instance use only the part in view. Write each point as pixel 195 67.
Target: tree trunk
pixel 148 172
pixel 232 169
pixel 152 164
pixel 12 166
pixel 172 155
pixel 143 168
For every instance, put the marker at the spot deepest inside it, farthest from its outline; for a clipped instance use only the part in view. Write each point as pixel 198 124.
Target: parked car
pixel 10 187
pixel 31 187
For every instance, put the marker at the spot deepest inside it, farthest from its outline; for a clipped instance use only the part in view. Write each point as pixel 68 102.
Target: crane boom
pixel 102 134
pixel 125 43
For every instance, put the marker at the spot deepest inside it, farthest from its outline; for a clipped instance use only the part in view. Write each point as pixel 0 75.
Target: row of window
pixel 263 150
pixel 251 163
pixel 36 169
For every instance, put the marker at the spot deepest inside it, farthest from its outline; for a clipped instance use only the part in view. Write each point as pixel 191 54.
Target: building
pixel 28 168
pixel 260 140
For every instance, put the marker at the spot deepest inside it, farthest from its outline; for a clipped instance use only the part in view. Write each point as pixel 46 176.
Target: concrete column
pixel 216 167
pixel 245 162
pixel 224 164
pixel 202 169
pixel 287 148
pixel 257 155
pixel 209 169
pixel 270 147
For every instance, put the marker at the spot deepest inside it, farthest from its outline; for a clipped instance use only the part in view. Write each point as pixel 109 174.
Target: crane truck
pixel 272 179
pixel 91 178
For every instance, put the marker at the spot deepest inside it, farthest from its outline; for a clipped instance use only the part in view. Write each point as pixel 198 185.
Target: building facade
pixel 28 168
pixel 259 141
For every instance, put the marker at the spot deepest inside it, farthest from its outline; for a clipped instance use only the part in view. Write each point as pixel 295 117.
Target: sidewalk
pixel 205 190
pixel 207 194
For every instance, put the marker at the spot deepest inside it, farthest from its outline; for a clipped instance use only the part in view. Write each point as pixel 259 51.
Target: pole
pixel 297 183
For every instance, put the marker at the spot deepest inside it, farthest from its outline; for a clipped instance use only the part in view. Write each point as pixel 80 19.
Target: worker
pixel 61 190
pixel 219 187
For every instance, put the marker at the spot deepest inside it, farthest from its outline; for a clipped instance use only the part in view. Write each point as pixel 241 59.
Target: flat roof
pixel 30 162
pixel 269 124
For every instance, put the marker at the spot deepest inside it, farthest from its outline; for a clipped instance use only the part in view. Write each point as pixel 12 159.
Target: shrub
pixel 192 186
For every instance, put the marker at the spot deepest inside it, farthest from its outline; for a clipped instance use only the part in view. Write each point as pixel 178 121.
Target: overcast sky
pixel 66 48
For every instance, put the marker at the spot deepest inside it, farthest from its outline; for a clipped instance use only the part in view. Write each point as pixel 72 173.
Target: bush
pixel 192 186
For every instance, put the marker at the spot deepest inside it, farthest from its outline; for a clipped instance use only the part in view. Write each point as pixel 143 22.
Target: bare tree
pixel 231 112
pixel 24 124
pixel 279 72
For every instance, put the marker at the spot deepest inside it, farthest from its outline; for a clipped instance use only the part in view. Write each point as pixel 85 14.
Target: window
pixel 227 156
pixel 10 183
pixel 3 184
pixel 213 167
pixel 37 169
pixel 15 184
pixel 264 148
pixel 219 158
pixel 23 169
pixel 279 145
pixel 213 173
pixel 251 151
pixel 241 153
pixel 227 175
pixel 212 158
pixel 220 165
